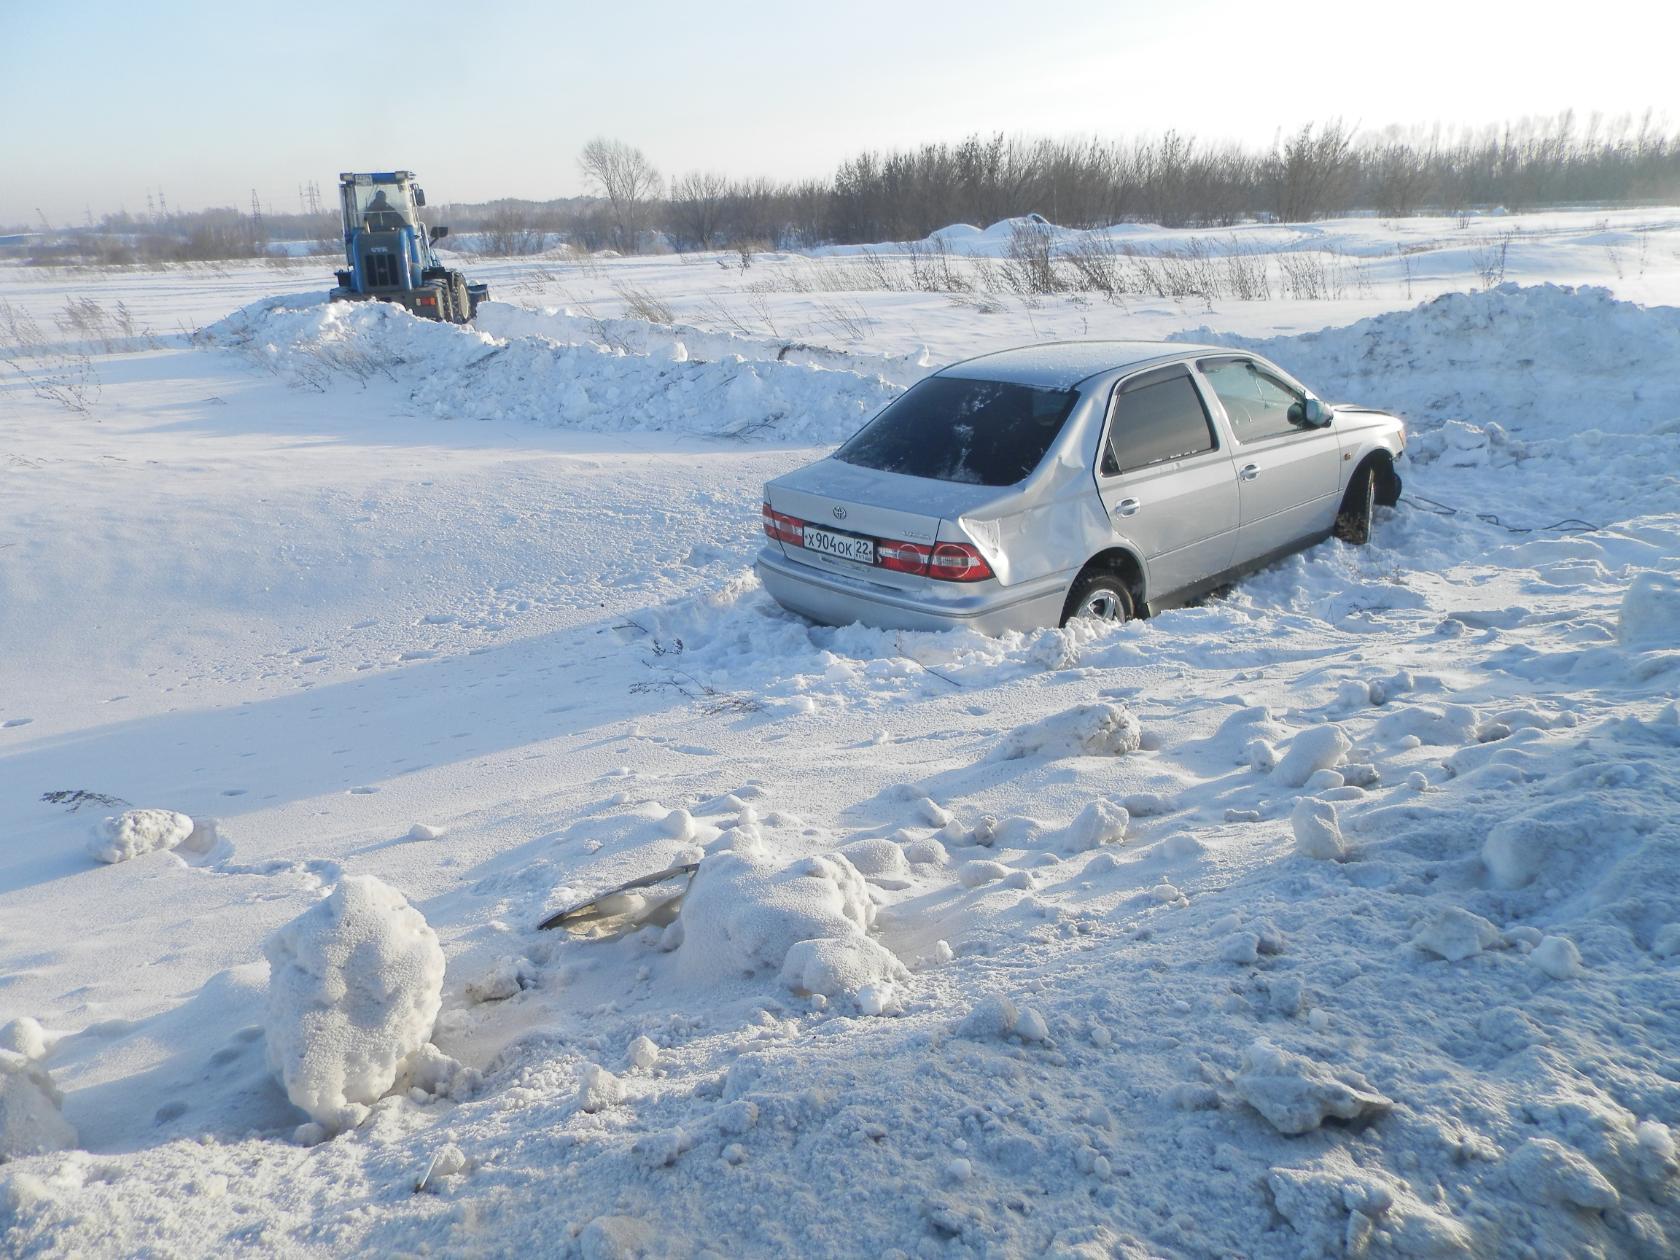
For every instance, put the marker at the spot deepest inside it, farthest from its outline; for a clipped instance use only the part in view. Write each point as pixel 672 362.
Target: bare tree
pixel 697 205
pixel 623 175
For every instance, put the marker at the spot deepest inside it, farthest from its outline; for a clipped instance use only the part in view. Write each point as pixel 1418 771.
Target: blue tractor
pixel 390 251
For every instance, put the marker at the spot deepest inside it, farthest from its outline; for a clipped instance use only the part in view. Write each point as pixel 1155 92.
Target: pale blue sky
pixel 101 101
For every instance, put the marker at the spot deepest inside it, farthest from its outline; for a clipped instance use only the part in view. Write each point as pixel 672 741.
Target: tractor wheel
pixel 445 304
pixel 462 299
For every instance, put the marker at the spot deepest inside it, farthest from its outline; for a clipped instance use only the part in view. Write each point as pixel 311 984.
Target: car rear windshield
pixel 950 428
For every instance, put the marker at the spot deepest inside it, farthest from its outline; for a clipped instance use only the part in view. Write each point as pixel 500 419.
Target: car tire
pixel 1353 522
pixel 1101 596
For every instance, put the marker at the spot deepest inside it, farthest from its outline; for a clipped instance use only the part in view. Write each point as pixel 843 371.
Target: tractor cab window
pixel 381 207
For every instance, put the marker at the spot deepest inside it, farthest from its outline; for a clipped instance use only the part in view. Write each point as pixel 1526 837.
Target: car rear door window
pixel 1156 418
pixel 1256 402
pixel 951 428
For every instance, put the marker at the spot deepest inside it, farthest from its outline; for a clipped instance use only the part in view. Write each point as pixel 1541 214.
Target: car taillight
pixel 958 562
pixel 901 557
pixel 780 528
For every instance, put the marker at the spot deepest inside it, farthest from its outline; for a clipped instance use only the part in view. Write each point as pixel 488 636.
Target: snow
pixel 30 1118
pixel 355 984
pixel 134 832
pixel 499 582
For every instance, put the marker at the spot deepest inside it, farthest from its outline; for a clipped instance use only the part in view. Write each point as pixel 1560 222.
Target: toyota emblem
pixel 839 513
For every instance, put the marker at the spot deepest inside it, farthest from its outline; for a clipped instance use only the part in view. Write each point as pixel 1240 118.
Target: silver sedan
pixel 1100 479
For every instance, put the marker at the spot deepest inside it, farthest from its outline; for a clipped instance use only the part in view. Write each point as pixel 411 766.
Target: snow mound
pixel 355 984
pixel 462 373
pixel 1549 1172
pixel 1322 748
pixel 1088 730
pixel 1650 612
pixel 138 831
pixel 31 1120
pixel 1520 355
pixel 1297 1094
pixel 807 922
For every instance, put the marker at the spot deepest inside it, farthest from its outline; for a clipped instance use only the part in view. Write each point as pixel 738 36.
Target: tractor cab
pixel 389 250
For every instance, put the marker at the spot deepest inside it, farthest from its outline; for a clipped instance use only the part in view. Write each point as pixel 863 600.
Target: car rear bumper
pixel 835 600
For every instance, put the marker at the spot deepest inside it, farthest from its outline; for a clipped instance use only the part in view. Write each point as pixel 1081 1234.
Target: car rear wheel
pixel 1099 596
pixel 1353 522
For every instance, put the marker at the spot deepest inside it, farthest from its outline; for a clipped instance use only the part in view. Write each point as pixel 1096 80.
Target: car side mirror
pixel 439 232
pixel 1315 413
pixel 419 196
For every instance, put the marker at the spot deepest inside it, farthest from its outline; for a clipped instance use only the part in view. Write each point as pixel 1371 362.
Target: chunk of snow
pixel 1323 781
pixel 993 1016
pixel 925 851
pixel 598 1089
pixel 643 1054
pixel 974 874
pixel 506 977
pixel 1260 755
pixel 1031 1026
pixel 1240 947
pixel 1146 804
pixel 1655 1137
pixel 422 831
pixel 1321 748
pixel 1666 944
pixel 842 967
pixel 1296 1094
pixel 1089 730
pixel 1550 1172
pixel 1099 823
pixel 355 984
pixel 1455 934
pixel 1166 893
pixel 24 1036
pixel 933 814
pixel 31 1115
pixel 1318 832
pixel 1650 612
pixel 137 831
pixel 1557 957
pixel 662 1149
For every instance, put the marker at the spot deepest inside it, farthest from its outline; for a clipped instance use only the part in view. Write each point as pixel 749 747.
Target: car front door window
pixel 1258 405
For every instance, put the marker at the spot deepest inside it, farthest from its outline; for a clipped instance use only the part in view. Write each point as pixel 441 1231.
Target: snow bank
pixel 461 373
pixel 355 984
pixel 31 1118
pixel 138 831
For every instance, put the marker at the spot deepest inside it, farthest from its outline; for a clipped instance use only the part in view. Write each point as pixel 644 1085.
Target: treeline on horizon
pixel 1320 171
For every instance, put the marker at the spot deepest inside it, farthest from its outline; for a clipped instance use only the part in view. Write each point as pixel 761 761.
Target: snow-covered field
pixel 1337 915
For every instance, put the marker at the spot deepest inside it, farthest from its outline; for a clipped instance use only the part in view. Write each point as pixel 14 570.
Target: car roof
pixel 1063 364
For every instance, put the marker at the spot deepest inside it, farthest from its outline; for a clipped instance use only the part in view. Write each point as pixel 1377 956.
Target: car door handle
pixel 1127 507
pixel 1249 472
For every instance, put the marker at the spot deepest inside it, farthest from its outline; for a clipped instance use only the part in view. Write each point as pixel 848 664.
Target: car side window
pixel 1157 417
pixel 1256 402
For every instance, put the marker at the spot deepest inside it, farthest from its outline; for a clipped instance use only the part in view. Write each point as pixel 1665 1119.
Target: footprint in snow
pixel 363 791
pixel 9 723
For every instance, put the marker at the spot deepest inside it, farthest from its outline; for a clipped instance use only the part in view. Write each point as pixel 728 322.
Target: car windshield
pixel 949 428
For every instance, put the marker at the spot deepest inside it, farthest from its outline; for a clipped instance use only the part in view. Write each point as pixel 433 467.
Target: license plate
pixel 845 546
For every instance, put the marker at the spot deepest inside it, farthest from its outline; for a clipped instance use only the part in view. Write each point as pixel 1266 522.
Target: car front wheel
pixel 1099 597
pixel 1353 522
